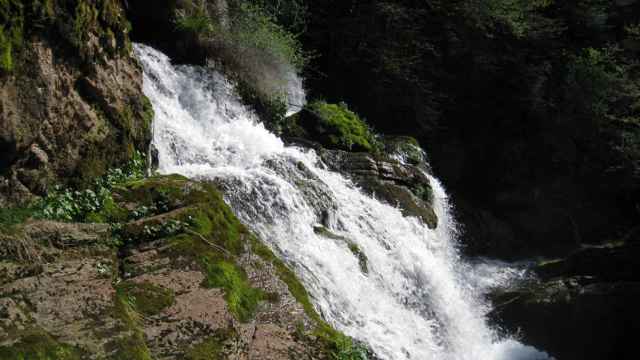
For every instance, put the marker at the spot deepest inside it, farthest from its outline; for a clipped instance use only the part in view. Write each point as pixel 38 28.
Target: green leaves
pixel 94 204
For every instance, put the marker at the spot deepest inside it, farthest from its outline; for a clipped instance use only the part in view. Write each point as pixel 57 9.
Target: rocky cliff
pixel 71 102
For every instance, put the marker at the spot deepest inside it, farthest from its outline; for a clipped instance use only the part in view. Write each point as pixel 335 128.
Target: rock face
pixel 186 281
pixel 72 105
pixel 388 180
pixel 584 307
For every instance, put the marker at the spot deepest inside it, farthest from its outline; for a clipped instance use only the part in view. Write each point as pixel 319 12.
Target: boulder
pixel 387 179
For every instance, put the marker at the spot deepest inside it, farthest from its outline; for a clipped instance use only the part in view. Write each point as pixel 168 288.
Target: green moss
pixel 146 298
pixel 424 192
pixel 342 128
pixel 109 213
pixel 131 346
pixel 38 345
pixel 147 115
pixel 242 299
pixel 212 241
pixel 85 22
pixel 213 238
pixel 211 348
pixel 362 258
pixel 406 146
pixel 220 272
pixel 336 343
pixel 353 247
pixel 14 215
pixel 11 32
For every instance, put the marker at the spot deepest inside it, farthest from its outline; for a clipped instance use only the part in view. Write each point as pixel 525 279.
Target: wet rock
pixel 607 263
pixel 584 307
pixel 397 184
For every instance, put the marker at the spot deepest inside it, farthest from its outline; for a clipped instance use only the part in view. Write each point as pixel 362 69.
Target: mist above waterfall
pixel 418 300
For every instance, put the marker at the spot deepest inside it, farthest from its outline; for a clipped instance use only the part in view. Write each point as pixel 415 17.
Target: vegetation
pixel 510 95
pixel 132 346
pixel 36 344
pixel 72 20
pixel 341 128
pixel 241 298
pixel 146 298
pixel 11 32
pixel 194 19
pixel 210 348
pixel 251 45
pixel 94 204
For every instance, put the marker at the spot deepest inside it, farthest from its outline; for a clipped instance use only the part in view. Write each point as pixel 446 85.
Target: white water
pixel 419 300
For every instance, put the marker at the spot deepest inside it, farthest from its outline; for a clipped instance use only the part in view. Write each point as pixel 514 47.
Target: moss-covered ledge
pixel 174 273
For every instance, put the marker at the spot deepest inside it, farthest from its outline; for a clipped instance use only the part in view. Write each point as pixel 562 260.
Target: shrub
pixel 252 47
pixel 194 19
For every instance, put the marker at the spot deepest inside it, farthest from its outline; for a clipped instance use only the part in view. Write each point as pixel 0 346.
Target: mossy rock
pixel 406 147
pixel 36 344
pixel 146 298
pixel 363 261
pixel 210 235
pixel 213 347
pixel 332 125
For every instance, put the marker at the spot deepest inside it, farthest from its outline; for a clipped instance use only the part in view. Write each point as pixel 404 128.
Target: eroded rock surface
pixel 72 105
pixel 187 281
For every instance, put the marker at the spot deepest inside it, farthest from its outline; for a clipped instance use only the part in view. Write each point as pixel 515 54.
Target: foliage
pixel 344 128
pixel 291 14
pixel 251 45
pixel 593 79
pixel 521 17
pixel 345 349
pixel 194 19
pixel 95 203
pixel 254 28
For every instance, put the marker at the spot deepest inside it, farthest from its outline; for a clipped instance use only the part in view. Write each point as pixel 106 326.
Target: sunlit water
pixel 419 299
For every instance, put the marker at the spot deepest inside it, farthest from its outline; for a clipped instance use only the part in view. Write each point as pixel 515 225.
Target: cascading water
pixel 418 300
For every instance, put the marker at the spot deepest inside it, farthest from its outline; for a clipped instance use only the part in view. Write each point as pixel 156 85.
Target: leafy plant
pixel 93 204
pixel 345 349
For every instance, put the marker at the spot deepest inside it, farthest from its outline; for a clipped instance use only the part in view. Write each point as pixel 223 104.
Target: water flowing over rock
pixel 417 298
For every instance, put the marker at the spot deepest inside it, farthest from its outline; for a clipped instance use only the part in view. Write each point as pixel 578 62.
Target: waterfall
pixel 418 300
